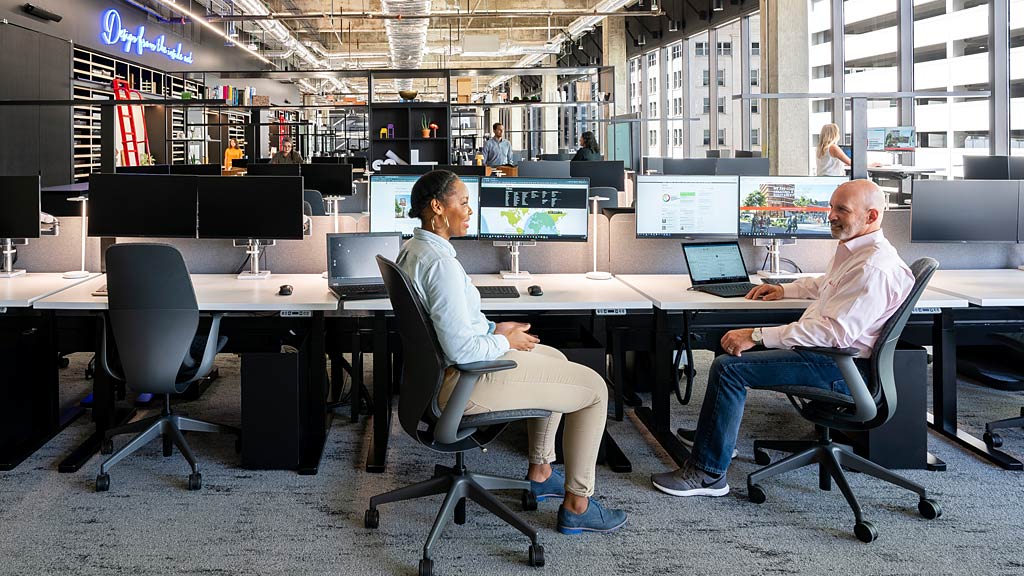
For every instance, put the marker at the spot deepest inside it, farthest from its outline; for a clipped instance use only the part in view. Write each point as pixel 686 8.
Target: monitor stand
pixel 253 250
pixel 7 263
pixel 775 259
pixel 513 251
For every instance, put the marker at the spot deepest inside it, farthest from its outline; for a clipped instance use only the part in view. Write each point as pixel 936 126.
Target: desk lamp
pixel 81 273
pixel 595 274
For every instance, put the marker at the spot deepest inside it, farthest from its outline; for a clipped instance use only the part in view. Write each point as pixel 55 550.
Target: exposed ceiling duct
pixel 406 38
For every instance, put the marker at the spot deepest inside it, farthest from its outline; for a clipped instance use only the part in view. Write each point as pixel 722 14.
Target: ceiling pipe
pixel 441 15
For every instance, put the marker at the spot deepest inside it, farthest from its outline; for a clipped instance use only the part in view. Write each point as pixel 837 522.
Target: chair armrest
pixel 210 351
pixel 829 351
pixel 447 431
pixel 485 367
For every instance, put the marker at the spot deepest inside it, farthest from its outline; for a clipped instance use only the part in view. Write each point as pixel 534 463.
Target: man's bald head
pixel 856 209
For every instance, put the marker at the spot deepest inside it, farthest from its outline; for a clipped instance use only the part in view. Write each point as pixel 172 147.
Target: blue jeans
pixel 730 376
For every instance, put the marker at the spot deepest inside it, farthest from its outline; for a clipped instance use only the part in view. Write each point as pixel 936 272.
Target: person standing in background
pixel 231 153
pixel 831 160
pixel 498 150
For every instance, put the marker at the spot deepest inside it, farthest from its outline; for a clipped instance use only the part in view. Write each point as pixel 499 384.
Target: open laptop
pixel 717 268
pixel 352 272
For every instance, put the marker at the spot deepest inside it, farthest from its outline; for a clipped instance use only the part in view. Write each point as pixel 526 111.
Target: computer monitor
pixel 965 211
pixel 240 163
pixel 390 199
pixel 196 169
pixel 256 207
pixel 142 206
pixel 533 209
pixel 405 169
pixel 151 169
pixel 992 168
pixel 326 160
pixel 891 139
pixel 328 179
pixel 654 164
pixel 687 207
pixel 273 169
pixel 561 156
pixel 357 162
pixel 19 207
pixel 742 167
pixel 610 173
pixel 783 207
pixel 463 170
pixel 690 166
pixel 544 169
pixel 712 153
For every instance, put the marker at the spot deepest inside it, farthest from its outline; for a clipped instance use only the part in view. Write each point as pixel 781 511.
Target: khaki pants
pixel 544 379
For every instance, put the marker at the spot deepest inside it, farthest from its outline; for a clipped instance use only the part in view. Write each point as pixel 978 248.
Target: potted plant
pixel 425 125
pixel 434 128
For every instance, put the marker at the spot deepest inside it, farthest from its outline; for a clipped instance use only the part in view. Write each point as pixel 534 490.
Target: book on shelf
pixel 233 96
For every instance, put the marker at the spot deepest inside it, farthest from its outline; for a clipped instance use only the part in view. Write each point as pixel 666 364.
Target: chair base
pixel 994 440
pixel 831 458
pixel 458 484
pixel 166 425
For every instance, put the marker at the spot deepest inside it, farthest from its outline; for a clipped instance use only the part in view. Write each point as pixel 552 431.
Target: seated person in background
pixel 830 158
pixel 588 148
pixel 543 377
pixel 286 155
pixel 232 152
pixel 498 150
pixel 864 285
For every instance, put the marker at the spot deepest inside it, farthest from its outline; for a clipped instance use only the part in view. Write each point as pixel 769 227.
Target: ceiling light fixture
pixel 717 5
pixel 185 12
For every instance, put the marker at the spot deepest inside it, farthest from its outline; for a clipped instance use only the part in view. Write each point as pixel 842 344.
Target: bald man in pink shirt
pixel 865 283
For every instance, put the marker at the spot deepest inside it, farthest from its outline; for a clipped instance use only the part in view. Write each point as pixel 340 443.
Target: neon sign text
pixel 114 33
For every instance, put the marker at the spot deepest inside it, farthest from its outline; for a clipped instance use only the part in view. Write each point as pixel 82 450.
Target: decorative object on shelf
pixel 391 131
pixel 146 160
pixel 425 125
pixel 383 133
pixel 434 128
pixel 408 95
pixel 186 95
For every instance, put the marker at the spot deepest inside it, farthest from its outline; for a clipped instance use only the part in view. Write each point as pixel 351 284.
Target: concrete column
pixel 784 33
pixel 549 122
pixel 515 119
pixel 613 53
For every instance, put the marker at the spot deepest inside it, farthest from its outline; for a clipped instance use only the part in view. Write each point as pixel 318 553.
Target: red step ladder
pixel 131 125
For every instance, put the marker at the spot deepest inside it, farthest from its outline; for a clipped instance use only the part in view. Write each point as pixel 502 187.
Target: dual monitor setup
pixel 330 179
pixel 19 217
pixel 967 211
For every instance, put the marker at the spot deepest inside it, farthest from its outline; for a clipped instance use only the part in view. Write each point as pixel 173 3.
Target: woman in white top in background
pixel 832 161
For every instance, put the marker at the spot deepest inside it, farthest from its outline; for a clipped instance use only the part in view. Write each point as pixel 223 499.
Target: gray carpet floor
pixel 277 522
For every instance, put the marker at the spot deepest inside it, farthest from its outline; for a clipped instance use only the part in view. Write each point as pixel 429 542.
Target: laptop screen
pixel 351 258
pixel 715 262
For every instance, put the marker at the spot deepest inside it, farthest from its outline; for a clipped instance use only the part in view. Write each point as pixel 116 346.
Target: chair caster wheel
pixel 762 458
pixel 371 519
pixel 107 447
pixel 195 481
pixel 102 482
pixel 529 501
pixel 929 508
pixel 865 531
pixel 426 567
pixel 536 555
pixel 992 439
pixel 63 362
pixel 756 494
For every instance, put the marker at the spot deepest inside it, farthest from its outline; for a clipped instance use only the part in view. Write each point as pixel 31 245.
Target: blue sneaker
pixel 595 519
pixel 553 487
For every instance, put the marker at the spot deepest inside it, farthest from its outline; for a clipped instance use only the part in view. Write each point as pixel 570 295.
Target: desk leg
pixel 105 413
pixel 376 460
pixel 944 420
pixel 313 438
pixel 618 370
pixel 657 418
pixel 614 457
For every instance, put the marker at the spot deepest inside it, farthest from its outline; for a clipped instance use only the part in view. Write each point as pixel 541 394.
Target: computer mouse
pixel 535 290
pixel 285 290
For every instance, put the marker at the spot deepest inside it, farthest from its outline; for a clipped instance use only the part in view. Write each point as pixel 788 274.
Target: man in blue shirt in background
pixel 498 150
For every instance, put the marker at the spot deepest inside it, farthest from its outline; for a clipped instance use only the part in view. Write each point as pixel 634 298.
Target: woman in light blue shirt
pixel 543 377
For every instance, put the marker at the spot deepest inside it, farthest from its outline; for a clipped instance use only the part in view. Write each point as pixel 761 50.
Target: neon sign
pixel 114 33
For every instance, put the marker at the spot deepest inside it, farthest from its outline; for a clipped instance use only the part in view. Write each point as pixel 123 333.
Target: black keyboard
pixel 730 290
pixel 498 291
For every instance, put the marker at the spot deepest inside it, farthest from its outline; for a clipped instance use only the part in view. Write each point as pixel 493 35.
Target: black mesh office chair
pixel 153 318
pixel 869 405
pixel 316 202
pixel 446 430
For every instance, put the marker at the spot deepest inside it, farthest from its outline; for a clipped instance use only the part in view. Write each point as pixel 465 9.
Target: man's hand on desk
pixel 766 292
pixel 515 333
pixel 735 342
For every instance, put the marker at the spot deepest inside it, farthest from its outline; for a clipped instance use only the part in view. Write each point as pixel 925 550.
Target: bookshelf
pixel 406 119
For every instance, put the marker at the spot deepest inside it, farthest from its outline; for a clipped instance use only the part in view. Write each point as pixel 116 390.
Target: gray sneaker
pixel 686 436
pixel 690 481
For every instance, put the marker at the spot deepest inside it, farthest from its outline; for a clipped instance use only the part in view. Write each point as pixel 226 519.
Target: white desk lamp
pixel 595 274
pixel 81 273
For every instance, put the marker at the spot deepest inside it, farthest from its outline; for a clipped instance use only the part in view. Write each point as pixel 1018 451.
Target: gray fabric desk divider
pixel 60 253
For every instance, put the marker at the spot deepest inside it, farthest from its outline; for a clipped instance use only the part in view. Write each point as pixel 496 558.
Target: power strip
pixel 296 313
pixel 610 311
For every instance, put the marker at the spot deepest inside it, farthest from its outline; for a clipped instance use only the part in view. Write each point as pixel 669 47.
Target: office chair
pixel 608 192
pixel 869 405
pixel 316 202
pixel 446 430
pixel 153 317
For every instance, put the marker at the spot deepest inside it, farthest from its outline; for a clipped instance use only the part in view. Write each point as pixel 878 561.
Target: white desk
pixel 671 292
pixel 561 292
pixel 906 170
pixel 218 292
pixel 22 291
pixel 982 287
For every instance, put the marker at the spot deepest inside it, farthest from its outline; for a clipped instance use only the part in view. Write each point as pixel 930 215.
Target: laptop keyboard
pixel 730 290
pixel 498 291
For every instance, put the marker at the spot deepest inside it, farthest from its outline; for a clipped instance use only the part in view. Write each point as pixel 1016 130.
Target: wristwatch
pixel 756 336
